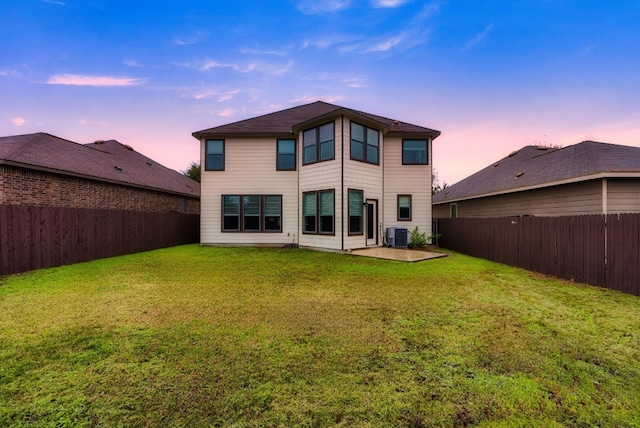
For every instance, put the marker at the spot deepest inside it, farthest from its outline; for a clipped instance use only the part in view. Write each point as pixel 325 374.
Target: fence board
pixel 595 249
pixel 39 237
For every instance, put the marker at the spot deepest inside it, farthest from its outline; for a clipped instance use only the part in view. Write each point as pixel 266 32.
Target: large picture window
pixel 318 144
pixel 286 155
pixel 252 213
pixel 214 155
pixel 404 207
pixel 319 212
pixel 365 144
pixel 355 212
pixel 415 152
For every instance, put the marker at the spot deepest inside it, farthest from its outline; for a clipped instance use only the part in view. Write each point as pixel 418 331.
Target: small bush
pixel 417 239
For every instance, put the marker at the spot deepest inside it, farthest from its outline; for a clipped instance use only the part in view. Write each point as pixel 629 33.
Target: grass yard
pixel 245 337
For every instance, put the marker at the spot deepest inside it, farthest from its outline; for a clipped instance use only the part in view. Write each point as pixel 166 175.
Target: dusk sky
pixel 492 76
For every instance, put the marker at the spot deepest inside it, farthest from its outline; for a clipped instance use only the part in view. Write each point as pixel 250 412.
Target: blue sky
pixel 493 76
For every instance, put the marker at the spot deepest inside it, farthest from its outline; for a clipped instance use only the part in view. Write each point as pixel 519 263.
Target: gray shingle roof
pixel 535 166
pixel 105 161
pixel 283 123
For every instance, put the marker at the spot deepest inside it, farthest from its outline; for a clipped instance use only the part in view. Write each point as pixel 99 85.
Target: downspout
pixel 342 181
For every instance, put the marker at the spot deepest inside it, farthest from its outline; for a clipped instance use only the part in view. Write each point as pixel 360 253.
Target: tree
pixel 435 183
pixel 193 172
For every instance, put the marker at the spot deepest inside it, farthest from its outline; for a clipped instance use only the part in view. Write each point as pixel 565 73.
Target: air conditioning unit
pixel 397 237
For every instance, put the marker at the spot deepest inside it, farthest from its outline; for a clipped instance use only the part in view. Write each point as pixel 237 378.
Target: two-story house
pixel 317 175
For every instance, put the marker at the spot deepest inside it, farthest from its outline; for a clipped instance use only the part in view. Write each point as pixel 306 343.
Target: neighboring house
pixel 585 178
pixel 317 175
pixel 43 170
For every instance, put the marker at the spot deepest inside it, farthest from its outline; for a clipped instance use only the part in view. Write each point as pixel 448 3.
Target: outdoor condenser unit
pixel 397 237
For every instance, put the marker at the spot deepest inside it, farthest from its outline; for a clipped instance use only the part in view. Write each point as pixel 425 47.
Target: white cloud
pixel 313 98
pixel 209 64
pixel 355 82
pixel 319 7
pixel 388 3
pixel 132 63
pixel 9 73
pixel 80 80
pixel 275 52
pixel 18 121
pixel 227 113
pixel 197 37
pixel 56 2
pixel 387 43
pixel 478 39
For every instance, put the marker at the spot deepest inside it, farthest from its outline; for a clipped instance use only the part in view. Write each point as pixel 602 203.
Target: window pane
pixel 356 150
pixel 355 202
pixel 355 224
pixel 372 137
pixel 231 205
pixel 215 162
pixel 326 203
pixel 372 154
pixel 215 147
pixel 326 224
pixel 286 147
pixel 310 154
pixel 326 150
pixel 404 201
pixel 309 137
pixel 231 213
pixel 251 209
pixel 272 205
pixel 309 204
pixel 357 132
pixel 414 152
pixel 272 223
pixel 326 132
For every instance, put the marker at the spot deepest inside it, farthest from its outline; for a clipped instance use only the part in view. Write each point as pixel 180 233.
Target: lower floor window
pixel 252 213
pixel 318 211
pixel 355 212
pixel 404 207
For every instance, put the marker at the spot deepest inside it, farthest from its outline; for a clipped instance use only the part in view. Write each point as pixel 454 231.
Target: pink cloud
pixel 80 80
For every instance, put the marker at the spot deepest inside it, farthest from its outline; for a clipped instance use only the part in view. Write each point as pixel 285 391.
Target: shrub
pixel 417 239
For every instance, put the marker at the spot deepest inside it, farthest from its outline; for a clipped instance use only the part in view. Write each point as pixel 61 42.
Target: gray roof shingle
pixel 535 166
pixel 284 123
pixel 108 161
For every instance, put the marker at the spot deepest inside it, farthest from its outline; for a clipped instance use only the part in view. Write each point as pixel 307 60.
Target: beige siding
pixel 623 196
pixel 250 169
pixel 570 199
pixel 366 177
pixel 324 175
pixel 414 180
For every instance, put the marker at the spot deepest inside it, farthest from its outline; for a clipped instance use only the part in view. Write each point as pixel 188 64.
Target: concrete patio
pixel 399 254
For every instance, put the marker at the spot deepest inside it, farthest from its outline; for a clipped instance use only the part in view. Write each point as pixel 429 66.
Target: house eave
pixel 572 180
pixel 93 178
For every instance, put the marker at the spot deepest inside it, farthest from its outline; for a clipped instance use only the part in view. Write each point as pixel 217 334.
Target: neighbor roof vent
pixel 99 142
pixel 116 167
pixel 515 152
pixel 520 174
pixel 128 147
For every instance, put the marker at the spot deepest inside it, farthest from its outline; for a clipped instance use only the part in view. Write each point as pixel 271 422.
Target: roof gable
pixel 108 161
pixel 535 166
pixel 287 122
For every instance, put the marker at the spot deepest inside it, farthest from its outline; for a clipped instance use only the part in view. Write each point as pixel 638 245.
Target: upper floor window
pixel 319 211
pixel 214 152
pixel 415 152
pixel 286 155
pixel 318 144
pixel 404 207
pixel 365 144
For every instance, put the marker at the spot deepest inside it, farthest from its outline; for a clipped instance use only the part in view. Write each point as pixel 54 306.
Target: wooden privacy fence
pixel 602 250
pixel 39 237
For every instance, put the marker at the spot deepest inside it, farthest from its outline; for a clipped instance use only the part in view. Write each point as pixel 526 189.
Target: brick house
pixel 43 170
pixel 62 202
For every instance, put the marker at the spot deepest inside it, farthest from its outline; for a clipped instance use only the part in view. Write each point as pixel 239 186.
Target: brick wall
pixel 19 186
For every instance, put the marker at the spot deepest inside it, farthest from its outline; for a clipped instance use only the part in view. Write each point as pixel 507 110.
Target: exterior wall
pixel 368 178
pixel 326 175
pixel 623 196
pixel 21 186
pixel 570 199
pixel 414 180
pixel 250 169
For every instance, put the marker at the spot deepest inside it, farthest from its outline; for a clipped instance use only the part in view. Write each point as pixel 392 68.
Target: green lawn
pixel 192 336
